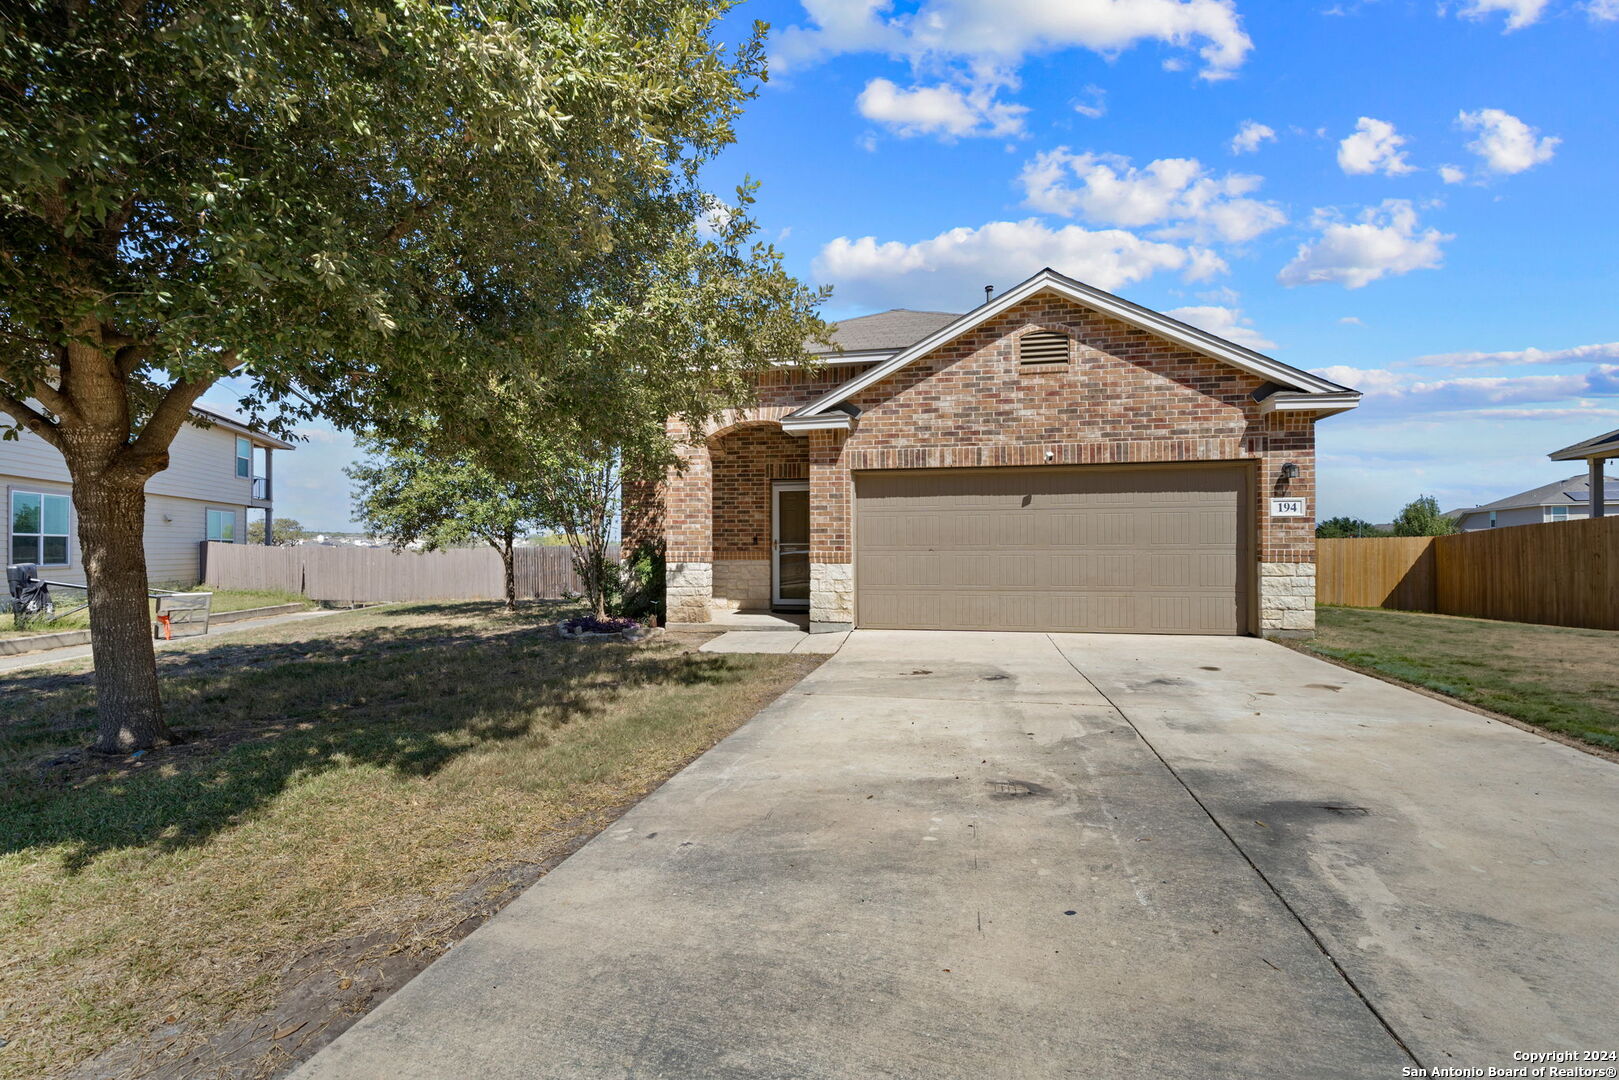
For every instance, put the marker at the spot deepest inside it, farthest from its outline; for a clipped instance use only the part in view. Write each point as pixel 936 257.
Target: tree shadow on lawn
pixel 258 716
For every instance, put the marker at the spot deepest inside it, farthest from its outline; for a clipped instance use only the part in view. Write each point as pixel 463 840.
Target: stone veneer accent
pixel 1287 599
pixel 831 597
pixel 1123 397
pixel 741 584
pixel 688 590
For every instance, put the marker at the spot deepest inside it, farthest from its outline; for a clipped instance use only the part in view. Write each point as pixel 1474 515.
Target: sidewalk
pixel 9 664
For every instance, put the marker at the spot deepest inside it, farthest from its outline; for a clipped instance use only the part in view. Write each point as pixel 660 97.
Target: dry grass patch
pixel 1559 678
pixel 345 779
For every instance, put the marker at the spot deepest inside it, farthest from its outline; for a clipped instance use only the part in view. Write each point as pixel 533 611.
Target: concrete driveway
pixel 1020 855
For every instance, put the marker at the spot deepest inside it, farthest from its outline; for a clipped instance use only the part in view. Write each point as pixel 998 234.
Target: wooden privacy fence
pixel 1562 573
pixel 355 575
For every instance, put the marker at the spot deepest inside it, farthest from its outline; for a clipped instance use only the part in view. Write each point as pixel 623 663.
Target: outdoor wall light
pixel 1290 471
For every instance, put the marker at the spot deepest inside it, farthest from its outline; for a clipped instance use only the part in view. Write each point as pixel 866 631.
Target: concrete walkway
pixel 1014 855
pixel 9 664
pixel 774 641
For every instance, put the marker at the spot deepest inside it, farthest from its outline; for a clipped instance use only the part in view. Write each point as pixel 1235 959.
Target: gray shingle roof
pixel 887 330
pixel 1575 491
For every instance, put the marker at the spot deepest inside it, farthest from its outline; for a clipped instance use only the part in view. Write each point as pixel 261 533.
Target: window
pixel 39 528
pixel 1492 519
pixel 1564 513
pixel 222 526
pixel 1041 347
pixel 244 458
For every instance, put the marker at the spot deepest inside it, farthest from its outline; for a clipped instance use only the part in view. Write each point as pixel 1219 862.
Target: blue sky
pixel 1414 198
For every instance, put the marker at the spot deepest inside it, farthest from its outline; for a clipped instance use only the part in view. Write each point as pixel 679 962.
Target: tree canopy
pixel 413 497
pixel 1422 517
pixel 1337 528
pixel 365 209
pixel 283 530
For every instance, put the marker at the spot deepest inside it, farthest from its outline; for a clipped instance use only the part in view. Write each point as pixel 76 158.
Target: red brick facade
pixel 1124 396
pixel 743 462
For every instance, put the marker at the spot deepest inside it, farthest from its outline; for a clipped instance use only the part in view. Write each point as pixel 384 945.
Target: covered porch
pixel 744 528
pixel 1595 452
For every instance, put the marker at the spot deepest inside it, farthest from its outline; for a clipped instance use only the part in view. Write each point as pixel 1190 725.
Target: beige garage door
pixel 1149 549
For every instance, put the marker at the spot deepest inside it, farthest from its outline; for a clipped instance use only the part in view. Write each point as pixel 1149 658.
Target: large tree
pixel 363 208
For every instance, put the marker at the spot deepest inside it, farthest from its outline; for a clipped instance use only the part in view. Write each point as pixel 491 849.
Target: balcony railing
pixel 261 488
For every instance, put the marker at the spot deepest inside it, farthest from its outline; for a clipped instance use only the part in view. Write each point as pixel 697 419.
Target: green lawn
pixel 224 600
pixel 352 778
pixel 1556 677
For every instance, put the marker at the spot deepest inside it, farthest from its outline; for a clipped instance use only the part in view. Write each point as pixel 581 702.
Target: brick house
pixel 1055 459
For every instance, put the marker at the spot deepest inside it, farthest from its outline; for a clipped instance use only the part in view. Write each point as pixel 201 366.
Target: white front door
pixel 789 547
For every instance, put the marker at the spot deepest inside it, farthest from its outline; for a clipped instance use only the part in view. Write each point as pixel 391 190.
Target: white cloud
pixel 1252 133
pixel 1507 144
pixel 996 33
pixel 1603 10
pixel 1374 147
pixel 1577 354
pixel 1452 174
pixel 1178 194
pixel 1386 240
pixel 1224 322
pixel 939 110
pixel 1095 104
pixel 1350 320
pixel 1403 391
pixel 951 269
pixel 1519 13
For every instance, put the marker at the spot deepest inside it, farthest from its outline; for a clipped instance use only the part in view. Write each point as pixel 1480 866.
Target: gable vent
pixel 1043 347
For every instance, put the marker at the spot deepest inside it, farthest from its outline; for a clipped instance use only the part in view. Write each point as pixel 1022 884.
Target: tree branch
pixel 172 412
pixel 31 419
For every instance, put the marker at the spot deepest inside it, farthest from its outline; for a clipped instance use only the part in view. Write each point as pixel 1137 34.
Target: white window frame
pixel 1563 513
pixel 208 525
pixel 39 537
pixel 241 457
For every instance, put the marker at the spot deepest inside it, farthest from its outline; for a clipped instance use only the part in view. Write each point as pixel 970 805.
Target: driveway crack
pixel 1252 865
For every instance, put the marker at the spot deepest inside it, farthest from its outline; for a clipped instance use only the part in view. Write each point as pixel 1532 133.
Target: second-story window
pixel 244 458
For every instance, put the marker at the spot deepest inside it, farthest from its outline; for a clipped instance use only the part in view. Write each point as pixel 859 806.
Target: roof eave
pixel 1601 446
pixel 803 425
pixel 1326 404
pixel 242 429
pixel 1107 303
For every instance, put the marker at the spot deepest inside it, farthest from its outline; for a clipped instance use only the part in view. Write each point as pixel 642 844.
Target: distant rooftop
pixel 1575 491
pixel 887 331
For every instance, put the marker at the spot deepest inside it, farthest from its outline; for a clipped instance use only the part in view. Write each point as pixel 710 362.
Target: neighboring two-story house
pixel 1564 500
pixel 219 475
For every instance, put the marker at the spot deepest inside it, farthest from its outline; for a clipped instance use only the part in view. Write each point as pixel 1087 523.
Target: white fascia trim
pixel 1151 321
pixel 1288 401
pixel 795 425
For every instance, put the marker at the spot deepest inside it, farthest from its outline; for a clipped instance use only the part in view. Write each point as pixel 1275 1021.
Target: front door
pixel 789 562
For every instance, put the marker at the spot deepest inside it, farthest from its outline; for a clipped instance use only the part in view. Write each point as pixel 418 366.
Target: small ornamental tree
pixel 1422 517
pixel 409 497
pixel 283 531
pixel 365 209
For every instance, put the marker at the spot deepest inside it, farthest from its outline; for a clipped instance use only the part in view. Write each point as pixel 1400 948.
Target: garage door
pixel 1150 549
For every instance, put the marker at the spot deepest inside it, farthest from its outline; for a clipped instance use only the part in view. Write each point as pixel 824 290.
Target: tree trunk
pixel 511 574
pixel 112 518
